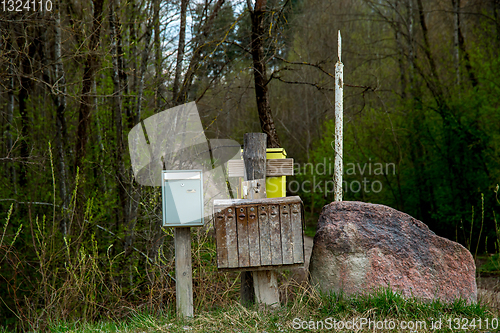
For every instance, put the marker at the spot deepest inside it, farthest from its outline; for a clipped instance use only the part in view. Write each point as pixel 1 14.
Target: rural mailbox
pixel 259 234
pixel 182 197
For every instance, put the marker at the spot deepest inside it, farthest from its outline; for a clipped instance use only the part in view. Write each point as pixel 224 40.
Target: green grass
pixel 309 309
pixel 310 230
pixel 492 265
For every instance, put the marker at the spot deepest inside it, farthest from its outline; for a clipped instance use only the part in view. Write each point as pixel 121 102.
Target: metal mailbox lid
pixel 170 175
pixel 182 198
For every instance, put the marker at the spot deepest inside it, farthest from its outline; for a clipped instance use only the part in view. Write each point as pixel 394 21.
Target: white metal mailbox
pixel 182 194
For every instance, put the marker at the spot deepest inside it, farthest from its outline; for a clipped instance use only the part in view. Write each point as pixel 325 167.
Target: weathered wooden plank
pixel 259 201
pixel 265 235
pixel 220 237
pixel 254 189
pixel 262 268
pixel 274 167
pixel 183 272
pixel 253 236
pixel 242 230
pixel 231 237
pixel 279 167
pixel 275 228
pixel 236 168
pixel 297 236
pixel 286 234
pixel 266 287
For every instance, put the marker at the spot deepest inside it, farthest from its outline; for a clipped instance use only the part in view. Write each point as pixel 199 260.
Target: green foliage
pixel 436 164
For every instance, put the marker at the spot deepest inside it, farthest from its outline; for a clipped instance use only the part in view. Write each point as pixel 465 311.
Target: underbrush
pixel 48 278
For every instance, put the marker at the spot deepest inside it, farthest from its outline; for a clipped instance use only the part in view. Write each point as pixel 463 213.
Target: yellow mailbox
pixel 277 168
pixel 276 186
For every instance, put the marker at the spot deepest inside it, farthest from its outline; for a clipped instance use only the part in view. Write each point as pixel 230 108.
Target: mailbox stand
pixel 183 272
pixel 182 199
pixel 257 235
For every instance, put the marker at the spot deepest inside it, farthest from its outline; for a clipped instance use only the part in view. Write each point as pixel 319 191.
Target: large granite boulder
pixel 361 246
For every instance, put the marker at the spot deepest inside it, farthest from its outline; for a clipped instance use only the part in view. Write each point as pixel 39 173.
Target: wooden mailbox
pixel 259 234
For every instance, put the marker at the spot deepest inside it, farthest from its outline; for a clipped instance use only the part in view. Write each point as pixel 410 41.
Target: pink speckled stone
pixel 361 246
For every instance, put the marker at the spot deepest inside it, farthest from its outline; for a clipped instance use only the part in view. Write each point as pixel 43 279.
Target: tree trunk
pixel 496 16
pixel 433 83
pixel 102 185
pixel 133 61
pixel 117 110
pixel 260 75
pixel 12 174
pixel 60 103
pixel 86 101
pixel 400 61
pixel 88 76
pixel 180 51
pixel 23 96
pixel 122 74
pixel 461 48
pixel 456 49
pixel 142 70
pixel 196 57
pixel 158 57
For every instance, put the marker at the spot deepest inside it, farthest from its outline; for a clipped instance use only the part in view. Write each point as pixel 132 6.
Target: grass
pixel 310 230
pixel 491 265
pixel 308 311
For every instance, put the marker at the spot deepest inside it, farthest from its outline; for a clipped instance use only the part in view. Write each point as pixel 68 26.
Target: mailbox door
pixel 183 202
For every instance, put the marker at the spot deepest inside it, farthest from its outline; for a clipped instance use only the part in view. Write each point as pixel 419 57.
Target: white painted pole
pixel 339 119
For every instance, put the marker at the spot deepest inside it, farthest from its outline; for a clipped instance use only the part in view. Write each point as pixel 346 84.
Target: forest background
pixel 422 125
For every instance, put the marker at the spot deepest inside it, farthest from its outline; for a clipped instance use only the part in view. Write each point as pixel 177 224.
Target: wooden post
pixel 254 157
pixel 183 272
pixel 263 285
pixel 339 119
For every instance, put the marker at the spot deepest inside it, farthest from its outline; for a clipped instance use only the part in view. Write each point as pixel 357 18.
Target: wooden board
pixel 286 234
pixel 220 238
pixel 253 236
pixel 261 201
pixel 274 167
pixel 231 238
pixel 265 235
pixel 242 231
pixel 279 167
pixel 262 268
pixel 183 272
pixel 266 287
pixel 274 223
pixel 297 235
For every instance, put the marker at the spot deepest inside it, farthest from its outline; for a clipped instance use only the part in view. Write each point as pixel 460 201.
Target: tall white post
pixel 339 120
